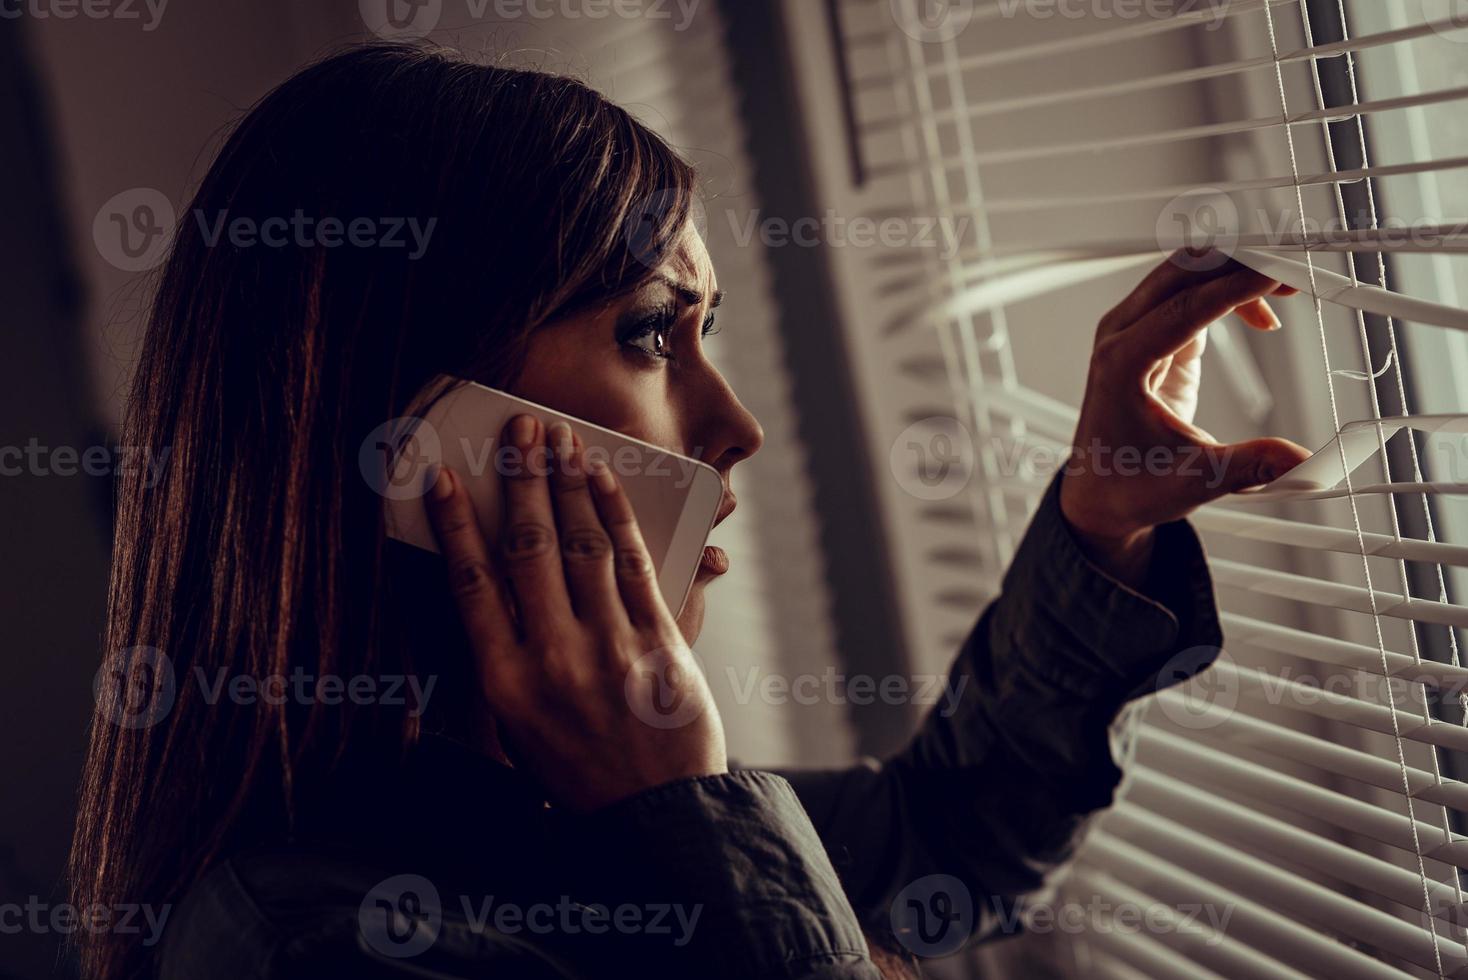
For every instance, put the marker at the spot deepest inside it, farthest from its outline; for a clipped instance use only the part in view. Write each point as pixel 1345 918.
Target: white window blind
pixel 1310 789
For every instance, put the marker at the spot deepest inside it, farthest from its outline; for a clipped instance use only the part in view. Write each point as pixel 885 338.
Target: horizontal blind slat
pixel 1252 920
pixel 1260 527
pixel 1333 595
pixel 1212 815
pixel 1220 722
pixel 1340 653
pixel 1151 958
pixel 1112 968
pixel 1206 943
pixel 1302 900
pixel 1317 700
pixel 1127 32
pixel 1188 760
pixel 1191 932
pixel 1161 137
pixel 1165 192
pixel 984 107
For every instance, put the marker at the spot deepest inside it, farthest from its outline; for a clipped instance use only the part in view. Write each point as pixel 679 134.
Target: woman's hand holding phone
pixel 1141 395
pixel 573 641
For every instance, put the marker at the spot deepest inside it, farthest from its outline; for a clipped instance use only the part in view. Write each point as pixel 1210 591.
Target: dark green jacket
pixel 455 867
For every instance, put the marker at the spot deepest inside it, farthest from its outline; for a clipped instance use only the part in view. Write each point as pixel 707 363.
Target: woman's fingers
pixel 483 607
pixel 1171 326
pixel 636 578
pixel 586 547
pixel 1258 315
pixel 1171 277
pixel 528 543
pixel 1251 464
pixel 1160 285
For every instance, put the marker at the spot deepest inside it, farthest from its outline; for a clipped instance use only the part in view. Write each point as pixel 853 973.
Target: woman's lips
pixel 715 561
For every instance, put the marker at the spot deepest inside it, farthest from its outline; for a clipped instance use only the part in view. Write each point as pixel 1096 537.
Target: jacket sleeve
pixel 992 791
pixel 739 850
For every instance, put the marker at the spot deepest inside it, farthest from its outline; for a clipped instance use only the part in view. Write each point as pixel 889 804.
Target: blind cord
pixel 1394 362
pixel 1350 496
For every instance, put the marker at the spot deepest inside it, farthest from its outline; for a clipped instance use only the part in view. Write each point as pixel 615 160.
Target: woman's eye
pixel 651 338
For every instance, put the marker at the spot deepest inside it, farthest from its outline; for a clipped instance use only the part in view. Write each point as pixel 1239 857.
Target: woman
pixel 521 820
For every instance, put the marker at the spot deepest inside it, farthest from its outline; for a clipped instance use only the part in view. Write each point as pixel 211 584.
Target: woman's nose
pixel 731 432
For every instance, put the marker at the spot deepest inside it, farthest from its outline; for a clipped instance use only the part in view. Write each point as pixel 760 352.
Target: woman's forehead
pixel 689 263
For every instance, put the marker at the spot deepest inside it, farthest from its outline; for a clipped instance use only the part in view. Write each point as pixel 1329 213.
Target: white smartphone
pixel 676 498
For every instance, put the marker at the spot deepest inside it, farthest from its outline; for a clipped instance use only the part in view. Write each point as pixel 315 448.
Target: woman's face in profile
pixel 638 366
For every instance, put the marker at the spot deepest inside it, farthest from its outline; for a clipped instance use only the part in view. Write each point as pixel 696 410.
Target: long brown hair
pixel 258 549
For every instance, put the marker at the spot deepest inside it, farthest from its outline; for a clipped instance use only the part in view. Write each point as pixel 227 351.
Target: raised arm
pixel 1108 598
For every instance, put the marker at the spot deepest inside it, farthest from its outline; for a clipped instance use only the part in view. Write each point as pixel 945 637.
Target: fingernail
pixel 443 483
pixel 601 476
pixel 560 434
pixel 522 429
pixel 1271 319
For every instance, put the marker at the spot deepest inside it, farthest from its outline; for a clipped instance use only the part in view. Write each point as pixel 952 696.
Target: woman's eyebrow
pixel 689 295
